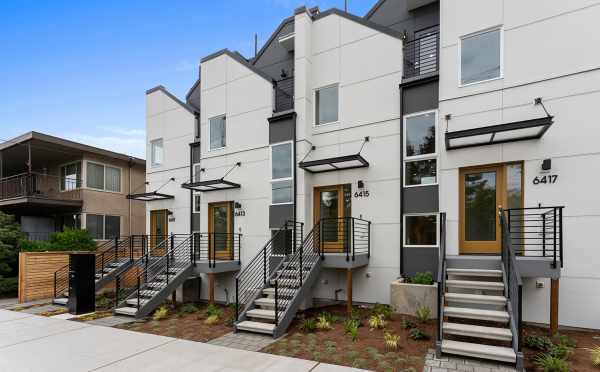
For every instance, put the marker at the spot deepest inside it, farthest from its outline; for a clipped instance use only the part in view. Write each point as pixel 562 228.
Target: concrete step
pixel 475 272
pixel 256 327
pixel 477 314
pixel 268 303
pixel 290 273
pixel 271 292
pixel 129 311
pixel 470 330
pixel 261 313
pixel 154 285
pixel 133 301
pixel 472 284
pixel 147 293
pixel 467 298
pixel 502 354
pixel 60 301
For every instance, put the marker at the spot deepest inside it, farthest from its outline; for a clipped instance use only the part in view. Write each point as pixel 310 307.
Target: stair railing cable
pixel 349 235
pixel 253 278
pixel 213 247
pixel 441 278
pixel 514 289
pixel 112 251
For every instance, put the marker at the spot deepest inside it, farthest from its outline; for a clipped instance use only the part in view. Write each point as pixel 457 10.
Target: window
pixel 326 105
pixel 480 57
pixel 103 227
pixel 70 176
pixel 420 149
pixel 95 176
pixel 282 173
pixel 217 133
pixel 420 230
pixel 196 203
pixel 156 152
pixel 113 179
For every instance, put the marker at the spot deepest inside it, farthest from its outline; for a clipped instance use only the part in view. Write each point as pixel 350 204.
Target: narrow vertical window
pixel 420 149
pixel 156 152
pixel 282 173
pixel 326 104
pixel 95 176
pixel 217 132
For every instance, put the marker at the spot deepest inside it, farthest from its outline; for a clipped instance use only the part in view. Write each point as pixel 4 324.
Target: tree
pixel 10 235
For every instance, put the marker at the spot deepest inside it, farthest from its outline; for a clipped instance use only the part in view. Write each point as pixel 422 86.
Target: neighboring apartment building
pixel 50 184
pixel 423 130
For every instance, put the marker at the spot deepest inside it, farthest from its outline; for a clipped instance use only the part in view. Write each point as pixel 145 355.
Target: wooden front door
pixel 159 228
pixel 331 205
pixel 220 229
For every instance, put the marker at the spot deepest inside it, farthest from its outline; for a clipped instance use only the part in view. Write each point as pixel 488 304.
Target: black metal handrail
pixel 421 55
pixel 349 235
pixel 537 231
pixel 255 275
pixel 441 276
pixel 112 251
pixel 283 94
pixel 213 247
pixel 514 289
pixel 39 185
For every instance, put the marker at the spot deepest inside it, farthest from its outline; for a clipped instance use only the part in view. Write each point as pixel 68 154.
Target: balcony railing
pixel 39 186
pixel 421 55
pixel 283 94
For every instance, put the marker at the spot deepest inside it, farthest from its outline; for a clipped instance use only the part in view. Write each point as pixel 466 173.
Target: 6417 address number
pixel 550 178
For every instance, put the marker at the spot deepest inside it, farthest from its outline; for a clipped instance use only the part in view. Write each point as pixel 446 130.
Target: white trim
pixel 152 163
pixel 224 116
pixel 437 230
pixel 480 32
pixel 290 178
pixel 421 157
pixel 315 90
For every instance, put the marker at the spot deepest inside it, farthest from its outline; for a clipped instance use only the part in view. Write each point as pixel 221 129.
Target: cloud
pixel 121 140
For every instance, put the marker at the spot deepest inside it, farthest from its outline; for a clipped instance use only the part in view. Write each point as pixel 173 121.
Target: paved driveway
pixel 38 344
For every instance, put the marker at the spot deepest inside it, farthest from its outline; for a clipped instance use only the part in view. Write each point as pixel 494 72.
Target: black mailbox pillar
pixel 82 291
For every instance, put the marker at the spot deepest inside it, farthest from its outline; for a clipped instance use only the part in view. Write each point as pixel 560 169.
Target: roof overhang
pixel 501 133
pixel 334 164
pixel 211 185
pixel 149 196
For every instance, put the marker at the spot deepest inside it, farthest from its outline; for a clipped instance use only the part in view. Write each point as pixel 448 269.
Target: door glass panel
pixel 514 192
pixel 480 206
pixel 329 214
pixel 220 226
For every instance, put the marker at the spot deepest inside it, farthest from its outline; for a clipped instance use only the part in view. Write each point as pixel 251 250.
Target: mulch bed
pixel 579 361
pixel 368 351
pixel 187 326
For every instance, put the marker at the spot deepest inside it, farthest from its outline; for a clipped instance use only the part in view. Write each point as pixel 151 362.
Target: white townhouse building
pixel 450 137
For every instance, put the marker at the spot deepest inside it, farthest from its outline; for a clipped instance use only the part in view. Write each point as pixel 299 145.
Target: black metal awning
pixel 211 185
pixel 501 133
pixel 150 196
pixel 333 164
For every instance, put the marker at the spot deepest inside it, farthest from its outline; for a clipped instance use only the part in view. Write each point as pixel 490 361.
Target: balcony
pixel 421 56
pixel 31 189
pixel 283 94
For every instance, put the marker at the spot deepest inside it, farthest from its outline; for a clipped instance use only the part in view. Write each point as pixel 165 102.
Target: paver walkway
pixel 35 343
pixel 243 341
pixel 457 364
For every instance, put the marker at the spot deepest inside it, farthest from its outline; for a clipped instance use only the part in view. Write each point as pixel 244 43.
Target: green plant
pixel 351 328
pixel 421 278
pixel 408 324
pixel 212 319
pixel 541 343
pixel 417 334
pixel 10 236
pixel 308 325
pixel 323 322
pixel 213 309
pixel 68 240
pixel 595 355
pixel 9 285
pixel 359 363
pixel 188 308
pixel 549 363
pixel 564 340
pixel 423 314
pixel 392 342
pixel 377 321
pixel 330 347
pixel 161 313
pixel 104 302
pixel 382 309
pixel 560 351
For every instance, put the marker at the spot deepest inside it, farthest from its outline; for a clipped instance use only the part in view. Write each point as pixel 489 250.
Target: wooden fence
pixel 36 274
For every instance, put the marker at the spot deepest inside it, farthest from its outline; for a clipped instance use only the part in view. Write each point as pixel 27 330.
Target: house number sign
pixel 545 179
pixel 239 213
pixel 362 194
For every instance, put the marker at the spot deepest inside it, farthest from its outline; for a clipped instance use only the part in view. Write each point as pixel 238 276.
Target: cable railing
pixel 214 247
pixel 112 251
pixel 255 275
pixel 283 94
pixel 348 235
pixel 537 232
pixel 441 277
pixel 514 289
pixel 421 55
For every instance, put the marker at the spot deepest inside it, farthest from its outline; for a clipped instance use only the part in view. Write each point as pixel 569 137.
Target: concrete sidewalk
pixel 33 343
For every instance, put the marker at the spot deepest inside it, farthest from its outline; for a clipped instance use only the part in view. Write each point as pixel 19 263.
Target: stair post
pixel 276 303
pixel 237 298
pixel 349 291
pixel 117 289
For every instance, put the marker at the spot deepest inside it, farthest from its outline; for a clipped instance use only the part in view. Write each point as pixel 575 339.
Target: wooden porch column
pixel 349 291
pixel 554 285
pixel 174 298
pixel 211 288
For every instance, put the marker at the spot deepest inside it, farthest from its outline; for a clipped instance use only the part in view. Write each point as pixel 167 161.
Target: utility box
pixel 82 290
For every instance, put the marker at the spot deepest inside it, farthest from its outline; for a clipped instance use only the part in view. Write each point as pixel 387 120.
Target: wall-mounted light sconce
pixel 547 164
pixel 361 184
pixel 237 205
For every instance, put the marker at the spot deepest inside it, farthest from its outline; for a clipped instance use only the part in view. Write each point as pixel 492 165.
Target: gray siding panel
pixel 418 260
pixel 274 58
pixel 421 199
pixel 196 221
pixel 396 15
pixel 282 130
pixel 420 98
pixel 279 214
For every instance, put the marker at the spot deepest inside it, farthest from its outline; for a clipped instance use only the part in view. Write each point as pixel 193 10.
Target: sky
pixel 79 69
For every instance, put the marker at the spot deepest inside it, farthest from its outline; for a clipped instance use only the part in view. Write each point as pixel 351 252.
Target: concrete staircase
pixel 476 321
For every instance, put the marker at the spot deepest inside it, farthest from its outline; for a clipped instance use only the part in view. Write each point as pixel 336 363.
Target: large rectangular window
pixel 421 230
pixel 326 104
pixel 95 176
pixel 156 152
pixel 113 179
pixel 103 227
pixel 481 56
pixel 282 165
pixel 420 149
pixel 112 227
pixel 217 132
pixel 70 176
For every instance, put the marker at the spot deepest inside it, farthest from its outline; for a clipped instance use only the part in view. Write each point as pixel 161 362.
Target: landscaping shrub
pixel 595 355
pixel 188 308
pixel 213 310
pixel 549 363
pixel 323 322
pixel 161 313
pixel 212 319
pixel 351 328
pixel 9 286
pixel 421 278
pixel 10 235
pixel 416 334
pixel 541 343
pixel 560 351
pixel 68 240
pixel 392 342
pixel 382 309
pixel 308 325
pixel 408 324
pixel 377 321
pixel 423 314
pixel 564 340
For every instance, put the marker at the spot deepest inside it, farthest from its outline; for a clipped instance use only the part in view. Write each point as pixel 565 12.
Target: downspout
pixel 294 175
pixel 401 225
pixel 191 191
pixel 129 200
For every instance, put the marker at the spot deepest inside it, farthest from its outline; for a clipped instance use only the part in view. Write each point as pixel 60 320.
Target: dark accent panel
pixel 418 260
pixel 195 152
pixel 278 214
pixel 420 97
pixel 273 58
pixel 196 221
pixel 192 98
pixel 396 15
pixel 421 199
pixel 282 130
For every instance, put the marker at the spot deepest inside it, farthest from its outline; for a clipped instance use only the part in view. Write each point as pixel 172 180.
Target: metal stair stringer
pixel 165 292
